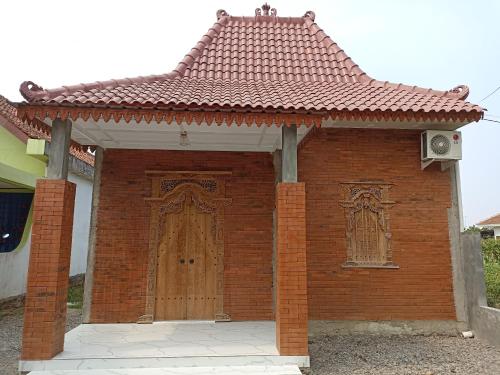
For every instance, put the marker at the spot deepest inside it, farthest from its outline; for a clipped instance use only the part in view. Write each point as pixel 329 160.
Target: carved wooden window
pixel 368 235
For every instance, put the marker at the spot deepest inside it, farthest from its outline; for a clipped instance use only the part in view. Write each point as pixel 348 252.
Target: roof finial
pixel 459 92
pixel 265 11
pixel 221 13
pixel 310 14
pixel 30 90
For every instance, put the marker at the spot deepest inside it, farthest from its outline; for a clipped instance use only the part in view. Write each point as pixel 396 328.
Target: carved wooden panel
pixel 169 192
pixel 368 234
pixel 202 263
pixel 171 275
pixel 169 184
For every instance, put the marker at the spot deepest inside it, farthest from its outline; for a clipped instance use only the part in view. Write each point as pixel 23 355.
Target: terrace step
pixel 219 370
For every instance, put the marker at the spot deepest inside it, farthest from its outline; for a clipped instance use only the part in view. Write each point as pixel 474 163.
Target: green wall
pixel 15 165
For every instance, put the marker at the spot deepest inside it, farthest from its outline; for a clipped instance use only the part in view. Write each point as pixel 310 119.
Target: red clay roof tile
pixel 280 63
pixel 491 221
pixel 9 114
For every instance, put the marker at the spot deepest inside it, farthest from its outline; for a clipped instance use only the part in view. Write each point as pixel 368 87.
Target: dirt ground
pixel 401 355
pixel 11 329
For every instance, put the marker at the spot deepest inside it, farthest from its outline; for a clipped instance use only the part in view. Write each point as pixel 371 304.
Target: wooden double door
pixel 186 264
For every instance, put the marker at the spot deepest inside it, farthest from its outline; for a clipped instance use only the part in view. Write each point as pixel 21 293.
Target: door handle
pixel 182 261
pixel 191 261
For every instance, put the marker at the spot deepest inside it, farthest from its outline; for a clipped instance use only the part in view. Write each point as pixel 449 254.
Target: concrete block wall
pixel 483 320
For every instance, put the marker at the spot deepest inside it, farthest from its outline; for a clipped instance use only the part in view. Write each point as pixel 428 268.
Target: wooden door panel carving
pixel 171 277
pixel 202 266
pixel 186 224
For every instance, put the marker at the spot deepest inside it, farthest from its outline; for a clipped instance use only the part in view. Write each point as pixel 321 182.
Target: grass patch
pixel 4 312
pixel 492 279
pixel 75 296
pixel 491 256
pixel 11 306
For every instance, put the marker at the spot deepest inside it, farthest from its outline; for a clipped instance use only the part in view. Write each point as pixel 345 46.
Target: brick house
pixel 267 177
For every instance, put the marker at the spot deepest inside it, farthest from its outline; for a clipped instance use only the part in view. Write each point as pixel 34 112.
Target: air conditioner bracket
pixel 445 164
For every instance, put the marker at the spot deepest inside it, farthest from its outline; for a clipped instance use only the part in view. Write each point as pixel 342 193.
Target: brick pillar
pixel 48 273
pixel 291 288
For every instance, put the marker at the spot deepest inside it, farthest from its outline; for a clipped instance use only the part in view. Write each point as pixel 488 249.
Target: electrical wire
pixel 491 93
pixel 486 119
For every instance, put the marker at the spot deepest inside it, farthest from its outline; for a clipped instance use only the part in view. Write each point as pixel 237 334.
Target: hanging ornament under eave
pixel 184 140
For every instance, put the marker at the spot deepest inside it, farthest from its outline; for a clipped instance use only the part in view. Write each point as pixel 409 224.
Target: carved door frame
pixel 169 190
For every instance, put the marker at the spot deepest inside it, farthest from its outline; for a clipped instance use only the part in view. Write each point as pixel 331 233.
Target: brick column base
pixel 48 273
pixel 291 288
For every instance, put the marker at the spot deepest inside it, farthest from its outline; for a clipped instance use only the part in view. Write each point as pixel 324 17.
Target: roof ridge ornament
pixel 30 90
pixel 310 14
pixel 265 11
pixel 221 13
pixel 459 92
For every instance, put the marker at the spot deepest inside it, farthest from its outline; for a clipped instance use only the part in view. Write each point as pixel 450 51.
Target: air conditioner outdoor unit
pixel 441 145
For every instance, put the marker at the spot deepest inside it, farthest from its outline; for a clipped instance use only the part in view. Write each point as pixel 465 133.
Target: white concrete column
pixel 277 180
pixel 289 153
pixel 59 149
pixel 89 274
pixel 457 256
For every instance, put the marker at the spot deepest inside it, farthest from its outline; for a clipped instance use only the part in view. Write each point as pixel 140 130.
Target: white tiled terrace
pixel 173 344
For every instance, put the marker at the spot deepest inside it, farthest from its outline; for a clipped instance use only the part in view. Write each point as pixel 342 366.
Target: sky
pixel 429 43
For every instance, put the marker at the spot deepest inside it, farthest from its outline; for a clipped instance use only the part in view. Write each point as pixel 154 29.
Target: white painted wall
pixel 496 231
pixel 13 269
pixel 81 224
pixel 14 265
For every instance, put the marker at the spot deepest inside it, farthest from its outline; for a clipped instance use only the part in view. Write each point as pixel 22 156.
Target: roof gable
pixel 264 48
pixel 265 62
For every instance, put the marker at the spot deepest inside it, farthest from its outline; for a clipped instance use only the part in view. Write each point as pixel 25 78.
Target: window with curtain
pixel 14 211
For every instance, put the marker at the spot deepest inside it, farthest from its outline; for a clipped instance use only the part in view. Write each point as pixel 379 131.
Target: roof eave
pixel 42 111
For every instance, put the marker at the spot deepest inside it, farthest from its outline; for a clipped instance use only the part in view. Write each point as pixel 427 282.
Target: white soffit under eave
pixel 404 125
pixel 162 136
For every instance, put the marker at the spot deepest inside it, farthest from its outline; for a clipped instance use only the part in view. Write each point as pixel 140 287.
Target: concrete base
pixel 168 345
pixel 221 370
pixel 487 325
pixel 386 327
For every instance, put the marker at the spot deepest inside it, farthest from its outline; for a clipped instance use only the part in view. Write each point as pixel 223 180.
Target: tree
pixel 472 229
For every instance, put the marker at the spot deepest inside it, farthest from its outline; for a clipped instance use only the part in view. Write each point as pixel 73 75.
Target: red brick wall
pixel 422 287
pixel 291 269
pixel 123 231
pixel 48 273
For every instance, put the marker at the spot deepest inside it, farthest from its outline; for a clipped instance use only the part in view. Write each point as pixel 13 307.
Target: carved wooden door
pixel 171 274
pixel 187 264
pixel 202 264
